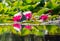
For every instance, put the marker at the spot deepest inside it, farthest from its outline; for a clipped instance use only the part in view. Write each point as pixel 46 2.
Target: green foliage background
pixel 14 6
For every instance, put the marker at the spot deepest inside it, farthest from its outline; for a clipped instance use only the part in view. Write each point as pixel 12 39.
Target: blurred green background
pixel 10 7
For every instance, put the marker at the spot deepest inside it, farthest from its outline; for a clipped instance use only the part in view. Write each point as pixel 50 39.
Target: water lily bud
pixel 17 27
pixel 50 11
pixel 17 17
pixel 28 14
pixel 28 27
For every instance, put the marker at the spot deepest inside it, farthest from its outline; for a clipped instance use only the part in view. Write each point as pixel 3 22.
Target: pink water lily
pixel 28 27
pixel 44 17
pixel 17 17
pixel 17 27
pixel 28 14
